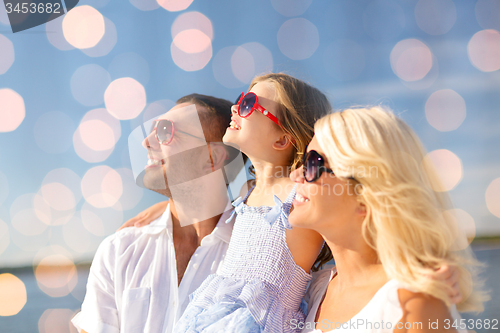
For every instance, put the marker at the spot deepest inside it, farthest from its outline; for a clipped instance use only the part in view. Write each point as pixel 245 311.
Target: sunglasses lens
pixel 164 131
pixel 313 164
pixel 246 105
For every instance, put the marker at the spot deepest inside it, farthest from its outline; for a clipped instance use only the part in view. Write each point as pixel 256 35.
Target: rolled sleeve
pixel 99 312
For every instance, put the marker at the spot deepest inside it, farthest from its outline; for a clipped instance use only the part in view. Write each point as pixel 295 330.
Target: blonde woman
pixel 364 186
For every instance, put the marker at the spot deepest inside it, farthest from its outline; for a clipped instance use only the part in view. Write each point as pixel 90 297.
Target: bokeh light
pixel 130 64
pixel 107 42
pixel 83 27
pixel 56 321
pixel 28 223
pixel 435 17
pixel 298 38
pixel 465 225
pixel 242 65
pixel 92 222
pixel 448 167
pixel 487 14
pixel 236 66
pixel 493 197
pixel 97 135
pixel 102 186
pixel 88 135
pixel 175 5
pixel 76 237
pixel 111 218
pixel 344 60
pixel 192 41
pixel 291 7
pixel 4 236
pixel 383 20
pixel 56 275
pixel 125 98
pixel 249 60
pixel 88 84
pixel 68 178
pixel 192 20
pixel 445 110
pixel 55 34
pixel 411 60
pixel 58 196
pixel 53 132
pixel 13 293
pixel 31 201
pixel 12 110
pixel 191 61
pixel 155 109
pixel 4 187
pixel 6 54
pixel 132 193
pixel 484 50
pixel 145 5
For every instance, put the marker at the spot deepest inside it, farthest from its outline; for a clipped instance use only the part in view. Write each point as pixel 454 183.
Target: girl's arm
pixel 305 245
pixel 146 216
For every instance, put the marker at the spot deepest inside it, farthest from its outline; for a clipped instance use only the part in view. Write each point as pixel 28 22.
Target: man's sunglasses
pixel 164 130
pixel 314 165
pixel 249 102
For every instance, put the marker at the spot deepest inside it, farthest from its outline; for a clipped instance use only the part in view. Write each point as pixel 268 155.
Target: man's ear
pixel 283 142
pixel 218 156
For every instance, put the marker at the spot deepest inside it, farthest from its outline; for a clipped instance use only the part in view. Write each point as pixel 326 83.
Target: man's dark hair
pixel 215 119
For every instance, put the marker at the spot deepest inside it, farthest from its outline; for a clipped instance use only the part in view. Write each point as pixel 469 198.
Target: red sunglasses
pixel 249 102
pixel 164 131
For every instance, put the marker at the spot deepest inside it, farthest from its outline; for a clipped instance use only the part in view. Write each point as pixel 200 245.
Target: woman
pixel 366 189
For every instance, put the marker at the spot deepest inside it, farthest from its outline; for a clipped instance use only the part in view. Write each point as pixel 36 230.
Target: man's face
pixel 184 158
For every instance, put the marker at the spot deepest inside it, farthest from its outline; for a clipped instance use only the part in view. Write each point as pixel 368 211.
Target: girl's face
pixel 255 133
pixel 326 203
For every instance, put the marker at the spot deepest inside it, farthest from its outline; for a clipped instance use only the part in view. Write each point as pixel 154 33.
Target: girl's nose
pixel 297 175
pixel 234 109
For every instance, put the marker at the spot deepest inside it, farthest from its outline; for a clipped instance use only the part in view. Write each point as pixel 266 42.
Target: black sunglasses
pixel 314 165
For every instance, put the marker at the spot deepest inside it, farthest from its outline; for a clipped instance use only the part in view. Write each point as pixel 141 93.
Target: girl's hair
pixel 300 105
pixel 407 222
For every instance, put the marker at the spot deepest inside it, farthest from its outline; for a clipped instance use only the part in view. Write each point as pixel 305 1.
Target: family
pixel 257 264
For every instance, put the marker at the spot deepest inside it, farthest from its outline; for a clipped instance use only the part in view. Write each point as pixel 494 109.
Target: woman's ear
pixel 283 142
pixel 361 209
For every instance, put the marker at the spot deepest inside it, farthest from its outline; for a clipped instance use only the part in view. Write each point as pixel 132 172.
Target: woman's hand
pixel 450 275
pixel 146 216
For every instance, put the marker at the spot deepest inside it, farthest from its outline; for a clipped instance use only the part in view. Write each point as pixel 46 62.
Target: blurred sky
pixel 71 91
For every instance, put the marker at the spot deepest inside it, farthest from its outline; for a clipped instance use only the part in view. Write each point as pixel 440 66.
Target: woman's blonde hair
pixel 406 222
pixel 300 106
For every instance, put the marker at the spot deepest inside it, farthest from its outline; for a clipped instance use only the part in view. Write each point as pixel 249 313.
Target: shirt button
pixel 195 266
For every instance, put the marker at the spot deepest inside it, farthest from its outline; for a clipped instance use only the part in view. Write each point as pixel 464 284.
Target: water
pixel 30 319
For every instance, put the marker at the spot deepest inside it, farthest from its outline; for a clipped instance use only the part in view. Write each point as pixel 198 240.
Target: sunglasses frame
pixel 321 167
pixel 256 106
pixel 157 121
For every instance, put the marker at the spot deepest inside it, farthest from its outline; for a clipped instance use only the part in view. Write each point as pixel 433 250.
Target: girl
pixel 266 269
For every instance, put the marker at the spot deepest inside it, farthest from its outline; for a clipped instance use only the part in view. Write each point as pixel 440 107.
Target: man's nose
pixel 150 141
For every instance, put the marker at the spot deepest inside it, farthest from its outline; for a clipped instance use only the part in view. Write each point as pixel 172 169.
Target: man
pixel 141 278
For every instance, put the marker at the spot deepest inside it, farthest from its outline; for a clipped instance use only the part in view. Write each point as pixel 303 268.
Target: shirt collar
pixel 222 230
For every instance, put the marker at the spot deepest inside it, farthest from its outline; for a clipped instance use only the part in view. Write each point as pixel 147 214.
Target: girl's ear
pixel 283 142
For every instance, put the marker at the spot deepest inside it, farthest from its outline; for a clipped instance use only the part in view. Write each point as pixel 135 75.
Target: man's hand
pixel 146 216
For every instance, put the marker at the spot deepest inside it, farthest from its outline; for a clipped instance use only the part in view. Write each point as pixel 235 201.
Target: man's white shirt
pixel 132 285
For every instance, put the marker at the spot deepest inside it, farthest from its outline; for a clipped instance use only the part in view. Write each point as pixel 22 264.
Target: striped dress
pixel 259 287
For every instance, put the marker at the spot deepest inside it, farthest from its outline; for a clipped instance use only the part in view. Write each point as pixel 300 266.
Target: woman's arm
pixel 146 216
pixel 423 313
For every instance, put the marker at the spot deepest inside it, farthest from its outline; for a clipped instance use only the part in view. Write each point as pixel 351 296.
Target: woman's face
pixel 325 203
pixel 253 133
